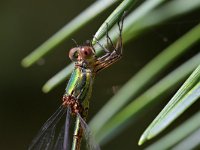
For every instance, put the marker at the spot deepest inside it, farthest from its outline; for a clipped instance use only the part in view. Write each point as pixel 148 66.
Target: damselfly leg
pixel 111 56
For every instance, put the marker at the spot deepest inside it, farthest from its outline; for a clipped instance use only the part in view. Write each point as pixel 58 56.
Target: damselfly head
pixel 81 53
pixel 87 52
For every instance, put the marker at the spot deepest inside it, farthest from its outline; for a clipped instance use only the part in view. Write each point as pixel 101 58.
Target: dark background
pixel 24 25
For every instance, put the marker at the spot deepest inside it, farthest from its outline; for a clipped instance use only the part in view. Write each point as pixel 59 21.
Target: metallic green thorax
pixel 80 85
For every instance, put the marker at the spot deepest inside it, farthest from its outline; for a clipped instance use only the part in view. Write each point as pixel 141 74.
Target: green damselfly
pixel 76 97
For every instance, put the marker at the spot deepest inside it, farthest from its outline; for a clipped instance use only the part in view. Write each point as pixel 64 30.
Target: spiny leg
pixel 105 50
pixel 75 42
pixel 117 50
pixel 119 41
pixel 110 58
pixel 109 41
pixel 119 45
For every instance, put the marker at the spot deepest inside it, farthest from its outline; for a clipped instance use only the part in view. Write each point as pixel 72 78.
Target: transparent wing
pixel 62 142
pixel 60 139
pixel 66 133
pixel 44 138
pixel 46 141
pixel 91 143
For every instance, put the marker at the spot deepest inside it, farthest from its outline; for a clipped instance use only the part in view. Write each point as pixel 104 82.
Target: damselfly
pixel 76 97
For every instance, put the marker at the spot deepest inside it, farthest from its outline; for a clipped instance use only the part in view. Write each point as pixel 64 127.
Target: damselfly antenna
pixel 75 42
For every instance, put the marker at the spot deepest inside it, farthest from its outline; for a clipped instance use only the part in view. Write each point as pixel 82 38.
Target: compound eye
pixel 86 52
pixel 73 54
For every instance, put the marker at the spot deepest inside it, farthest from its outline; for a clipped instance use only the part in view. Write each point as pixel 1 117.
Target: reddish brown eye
pixel 73 54
pixel 86 52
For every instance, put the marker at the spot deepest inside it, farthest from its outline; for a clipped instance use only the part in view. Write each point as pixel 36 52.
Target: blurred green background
pixel 24 108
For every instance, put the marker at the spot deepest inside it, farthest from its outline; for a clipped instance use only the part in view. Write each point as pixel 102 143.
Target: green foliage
pixel 188 129
pixel 110 121
pixel 184 98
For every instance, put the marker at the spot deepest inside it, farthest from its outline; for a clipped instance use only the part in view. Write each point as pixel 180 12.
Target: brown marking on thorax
pixel 72 102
